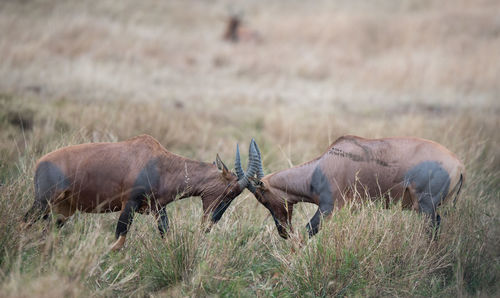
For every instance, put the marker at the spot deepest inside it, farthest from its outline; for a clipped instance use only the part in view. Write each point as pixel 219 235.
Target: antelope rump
pixel 136 175
pixel 421 173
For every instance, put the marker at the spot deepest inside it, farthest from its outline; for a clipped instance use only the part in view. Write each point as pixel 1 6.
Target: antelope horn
pixel 253 166
pixel 260 170
pixel 237 164
pixel 253 160
pixel 242 176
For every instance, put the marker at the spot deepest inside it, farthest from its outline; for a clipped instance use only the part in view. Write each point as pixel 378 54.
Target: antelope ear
pixel 220 165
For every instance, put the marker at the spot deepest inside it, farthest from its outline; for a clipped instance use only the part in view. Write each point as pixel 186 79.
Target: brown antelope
pixel 418 171
pixel 136 175
pixel 236 32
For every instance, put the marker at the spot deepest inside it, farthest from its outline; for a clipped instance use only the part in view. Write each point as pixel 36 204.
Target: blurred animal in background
pixel 237 31
pixel 136 175
pixel 422 173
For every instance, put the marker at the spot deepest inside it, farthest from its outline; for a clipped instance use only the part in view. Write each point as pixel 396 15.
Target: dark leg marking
pixel 146 183
pixel 320 186
pixel 126 217
pixel 148 180
pixel 431 182
pixel 49 180
pixel 162 221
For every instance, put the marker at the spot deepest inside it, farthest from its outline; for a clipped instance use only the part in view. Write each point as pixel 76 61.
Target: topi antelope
pixel 235 31
pixel 136 175
pixel 420 172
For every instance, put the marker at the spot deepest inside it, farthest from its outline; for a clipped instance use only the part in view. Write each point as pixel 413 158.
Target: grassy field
pixel 87 71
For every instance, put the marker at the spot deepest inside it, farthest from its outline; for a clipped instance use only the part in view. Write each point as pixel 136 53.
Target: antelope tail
pixel 459 184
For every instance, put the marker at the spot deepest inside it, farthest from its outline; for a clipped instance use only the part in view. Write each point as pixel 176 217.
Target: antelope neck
pixel 191 176
pixel 295 183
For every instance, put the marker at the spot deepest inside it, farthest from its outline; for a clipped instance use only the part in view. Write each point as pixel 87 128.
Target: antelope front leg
pixel 124 222
pixel 321 186
pixel 313 225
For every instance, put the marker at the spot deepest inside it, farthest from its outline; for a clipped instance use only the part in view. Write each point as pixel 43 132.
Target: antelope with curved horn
pixel 422 173
pixel 136 175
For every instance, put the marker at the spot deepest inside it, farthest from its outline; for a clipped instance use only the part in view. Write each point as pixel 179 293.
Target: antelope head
pixel 267 195
pixel 228 185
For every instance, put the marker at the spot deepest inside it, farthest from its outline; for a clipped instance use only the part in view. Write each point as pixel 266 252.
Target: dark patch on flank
pixel 429 177
pixel 148 180
pixel 320 186
pixel 49 179
pixel 146 183
pixel 431 183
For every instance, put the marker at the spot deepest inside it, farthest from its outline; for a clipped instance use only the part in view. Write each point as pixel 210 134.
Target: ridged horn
pixel 237 164
pixel 253 166
pixel 253 160
pixel 260 169
pixel 242 176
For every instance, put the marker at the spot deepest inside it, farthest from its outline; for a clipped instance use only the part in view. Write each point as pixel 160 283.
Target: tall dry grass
pixel 74 72
pixel 365 250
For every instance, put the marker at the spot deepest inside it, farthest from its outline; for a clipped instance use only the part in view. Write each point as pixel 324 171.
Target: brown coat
pixel 136 175
pixel 421 172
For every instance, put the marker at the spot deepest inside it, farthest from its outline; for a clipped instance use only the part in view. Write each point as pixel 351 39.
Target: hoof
pixel 118 244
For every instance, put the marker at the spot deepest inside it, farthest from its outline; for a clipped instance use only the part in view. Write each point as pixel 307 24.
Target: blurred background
pixel 201 76
pixel 301 73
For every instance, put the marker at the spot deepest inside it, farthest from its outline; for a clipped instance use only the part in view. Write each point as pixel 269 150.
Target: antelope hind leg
pixel 162 221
